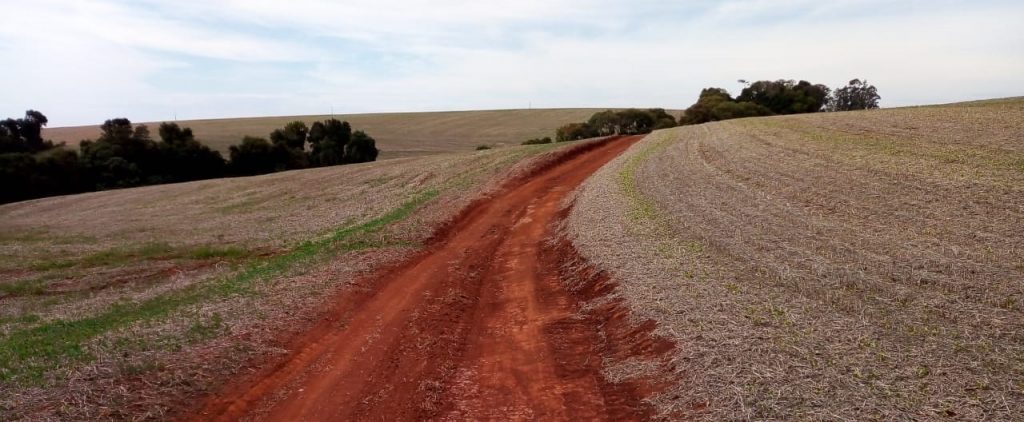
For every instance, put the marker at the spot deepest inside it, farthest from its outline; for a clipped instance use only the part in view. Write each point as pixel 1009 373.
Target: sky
pixel 83 61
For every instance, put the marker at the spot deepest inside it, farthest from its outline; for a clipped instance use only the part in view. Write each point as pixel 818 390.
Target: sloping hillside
pixel 397 134
pixel 846 266
pixel 126 303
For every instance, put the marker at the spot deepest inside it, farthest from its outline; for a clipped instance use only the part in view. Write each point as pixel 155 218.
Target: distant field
pixel 840 266
pixel 125 303
pixel 397 134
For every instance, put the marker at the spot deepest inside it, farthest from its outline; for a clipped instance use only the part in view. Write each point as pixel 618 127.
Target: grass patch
pixel 26 355
pixel 20 319
pixel 53 264
pixel 201 330
pixel 22 287
pixel 119 256
pixel 207 252
pixel 641 207
pixel 156 250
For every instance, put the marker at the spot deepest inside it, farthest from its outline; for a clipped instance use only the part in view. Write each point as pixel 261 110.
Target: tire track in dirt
pixel 479 326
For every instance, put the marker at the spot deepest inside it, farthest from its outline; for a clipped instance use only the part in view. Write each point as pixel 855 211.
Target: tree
pixel 24 134
pixel 786 96
pixel 122 156
pixel 183 158
pixel 605 123
pixel 173 134
pixel 361 149
pixel 703 110
pixel 857 95
pixel 662 120
pixel 292 135
pixel 253 156
pixel 328 140
pixel 574 132
pixel 290 146
pixel 634 122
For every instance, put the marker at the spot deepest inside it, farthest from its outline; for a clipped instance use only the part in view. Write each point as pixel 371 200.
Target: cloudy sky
pixel 83 61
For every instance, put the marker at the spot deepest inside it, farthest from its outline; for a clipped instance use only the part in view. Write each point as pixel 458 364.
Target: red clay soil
pixel 479 326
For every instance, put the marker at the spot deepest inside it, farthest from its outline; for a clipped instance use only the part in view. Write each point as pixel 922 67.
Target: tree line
pixel 623 122
pixel 768 98
pixel 126 155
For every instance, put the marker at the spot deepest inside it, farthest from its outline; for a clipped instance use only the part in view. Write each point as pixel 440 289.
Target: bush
pixel 623 122
pixel 361 149
pixel 482 147
pixel 538 141
pixel 574 132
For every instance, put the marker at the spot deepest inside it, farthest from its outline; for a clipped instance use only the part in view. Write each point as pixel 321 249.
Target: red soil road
pixel 479 326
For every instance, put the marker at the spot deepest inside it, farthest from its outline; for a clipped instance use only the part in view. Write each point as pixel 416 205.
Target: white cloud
pixel 95 59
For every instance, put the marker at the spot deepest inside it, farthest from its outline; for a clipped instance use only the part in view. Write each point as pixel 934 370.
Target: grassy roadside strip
pixel 26 355
pixel 642 210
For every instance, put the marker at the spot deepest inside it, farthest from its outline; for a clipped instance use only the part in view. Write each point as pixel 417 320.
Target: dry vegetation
pixel 847 266
pixel 397 134
pixel 124 304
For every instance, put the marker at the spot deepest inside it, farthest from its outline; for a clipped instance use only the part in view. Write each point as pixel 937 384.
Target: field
pixel 397 134
pixel 831 266
pixel 846 266
pixel 129 303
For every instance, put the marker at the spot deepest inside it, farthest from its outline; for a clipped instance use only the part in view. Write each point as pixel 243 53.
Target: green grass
pixel 20 319
pixel 52 264
pixel 205 329
pixel 22 287
pixel 155 250
pixel 121 256
pixel 26 355
pixel 641 207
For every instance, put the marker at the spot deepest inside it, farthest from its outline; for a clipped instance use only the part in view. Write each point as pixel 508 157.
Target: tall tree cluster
pixel 24 134
pixel 295 146
pixel 857 95
pixel 768 98
pixel 126 155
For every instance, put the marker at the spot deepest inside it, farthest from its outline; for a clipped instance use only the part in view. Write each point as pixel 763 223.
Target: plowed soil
pixel 480 325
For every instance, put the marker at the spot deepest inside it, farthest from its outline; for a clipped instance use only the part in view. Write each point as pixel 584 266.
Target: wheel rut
pixel 479 326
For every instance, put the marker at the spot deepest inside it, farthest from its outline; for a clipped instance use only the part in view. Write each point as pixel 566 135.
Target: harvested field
pixel 846 266
pixel 397 134
pixel 127 304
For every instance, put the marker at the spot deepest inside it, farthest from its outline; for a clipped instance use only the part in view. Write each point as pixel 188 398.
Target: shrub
pixel 482 147
pixel 361 149
pixel 574 132
pixel 538 141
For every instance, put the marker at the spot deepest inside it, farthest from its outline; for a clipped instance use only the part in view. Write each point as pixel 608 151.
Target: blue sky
pixel 84 61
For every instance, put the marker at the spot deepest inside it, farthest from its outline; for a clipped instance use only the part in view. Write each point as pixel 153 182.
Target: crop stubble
pixel 837 266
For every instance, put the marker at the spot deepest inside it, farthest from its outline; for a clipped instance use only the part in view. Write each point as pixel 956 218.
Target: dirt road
pixel 479 326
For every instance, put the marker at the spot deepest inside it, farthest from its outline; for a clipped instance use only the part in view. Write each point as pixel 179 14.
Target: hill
pixel 859 265
pixel 166 291
pixel 397 134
